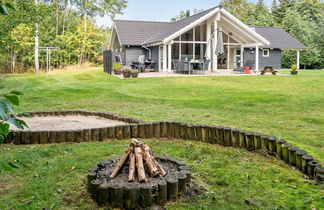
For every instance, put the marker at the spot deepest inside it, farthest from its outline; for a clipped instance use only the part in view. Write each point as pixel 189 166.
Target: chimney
pixel 187 13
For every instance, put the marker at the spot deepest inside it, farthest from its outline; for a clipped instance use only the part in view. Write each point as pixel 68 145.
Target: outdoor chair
pixel 175 65
pixel 204 66
pixel 183 66
pixel 140 65
pixel 241 70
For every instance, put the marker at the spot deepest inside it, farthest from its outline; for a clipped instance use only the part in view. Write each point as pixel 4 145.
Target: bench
pixel 268 69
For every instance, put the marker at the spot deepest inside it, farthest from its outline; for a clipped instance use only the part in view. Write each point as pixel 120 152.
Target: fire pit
pixel 138 179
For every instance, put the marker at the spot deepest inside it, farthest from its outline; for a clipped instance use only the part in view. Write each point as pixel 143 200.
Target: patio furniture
pixel 149 64
pixel 205 65
pixel 268 69
pixel 241 70
pixel 184 66
pixel 195 65
pixel 140 65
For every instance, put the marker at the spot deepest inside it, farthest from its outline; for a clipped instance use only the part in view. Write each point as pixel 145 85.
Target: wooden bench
pixel 268 69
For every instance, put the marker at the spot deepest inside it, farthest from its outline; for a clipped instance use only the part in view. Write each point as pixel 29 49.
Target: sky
pixel 160 10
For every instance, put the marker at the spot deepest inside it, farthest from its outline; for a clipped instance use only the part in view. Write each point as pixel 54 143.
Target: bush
pixel 294 67
pixel 134 71
pixel 7 114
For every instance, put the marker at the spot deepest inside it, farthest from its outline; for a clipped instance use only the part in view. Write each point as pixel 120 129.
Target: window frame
pixel 265 50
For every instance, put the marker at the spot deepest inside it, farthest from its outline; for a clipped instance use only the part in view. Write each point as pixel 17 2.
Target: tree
pixel 7 114
pixel 183 15
pixel 22 40
pixel 97 7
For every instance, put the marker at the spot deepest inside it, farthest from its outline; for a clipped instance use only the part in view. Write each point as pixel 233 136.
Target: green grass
pixel 289 107
pixel 231 176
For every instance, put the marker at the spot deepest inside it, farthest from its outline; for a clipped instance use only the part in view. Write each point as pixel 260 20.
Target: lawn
pixel 289 107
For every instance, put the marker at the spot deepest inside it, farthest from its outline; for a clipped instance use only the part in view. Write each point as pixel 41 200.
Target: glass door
pixel 237 57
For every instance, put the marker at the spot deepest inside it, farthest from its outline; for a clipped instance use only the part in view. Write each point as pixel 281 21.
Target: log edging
pixel 175 130
pixel 138 196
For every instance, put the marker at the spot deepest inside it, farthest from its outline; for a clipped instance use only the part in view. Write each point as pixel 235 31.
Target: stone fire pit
pixel 127 189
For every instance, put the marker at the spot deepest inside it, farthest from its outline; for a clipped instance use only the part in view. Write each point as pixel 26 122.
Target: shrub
pixel 294 67
pixel 134 71
pixel 117 66
pixel 7 114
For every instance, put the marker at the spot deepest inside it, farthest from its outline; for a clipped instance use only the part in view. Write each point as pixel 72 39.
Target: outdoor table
pixel 193 63
pixel 268 69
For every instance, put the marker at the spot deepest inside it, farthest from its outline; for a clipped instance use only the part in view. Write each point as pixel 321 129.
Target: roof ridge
pixel 265 27
pixel 196 14
pixel 173 23
pixel 143 21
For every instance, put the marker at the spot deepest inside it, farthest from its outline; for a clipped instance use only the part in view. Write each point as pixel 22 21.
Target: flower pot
pixel 294 72
pixel 126 74
pixel 117 71
pixel 134 75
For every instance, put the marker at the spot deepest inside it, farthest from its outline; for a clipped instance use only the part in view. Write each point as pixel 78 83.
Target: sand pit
pixel 70 122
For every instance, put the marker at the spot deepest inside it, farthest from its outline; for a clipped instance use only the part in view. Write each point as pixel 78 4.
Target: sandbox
pixel 69 122
pixel 70 126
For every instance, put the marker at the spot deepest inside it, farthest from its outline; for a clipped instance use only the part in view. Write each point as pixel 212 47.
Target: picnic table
pixel 268 69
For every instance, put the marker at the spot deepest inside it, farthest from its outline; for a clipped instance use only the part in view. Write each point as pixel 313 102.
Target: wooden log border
pixel 136 128
pixel 138 196
pixel 85 135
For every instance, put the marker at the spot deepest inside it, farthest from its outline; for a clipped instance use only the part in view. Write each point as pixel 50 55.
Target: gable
pixel 279 38
pixel 136 32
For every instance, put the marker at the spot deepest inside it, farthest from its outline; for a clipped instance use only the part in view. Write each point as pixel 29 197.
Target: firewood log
pixel 139 165
pixel 131 175
pixel 152 169
pixel 122 161
pixel 158 166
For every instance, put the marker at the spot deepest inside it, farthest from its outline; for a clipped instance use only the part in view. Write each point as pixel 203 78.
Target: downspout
pixel 150 52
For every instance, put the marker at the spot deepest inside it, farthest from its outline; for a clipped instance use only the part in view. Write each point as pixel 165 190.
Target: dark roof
pixel 136 32
pixel 279 38
pixel 147 32
pixel 176 26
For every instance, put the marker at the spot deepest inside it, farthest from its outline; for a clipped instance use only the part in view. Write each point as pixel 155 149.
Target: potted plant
pixel 294 70
pixel 117 68
pixel 126 71
pixel 134 73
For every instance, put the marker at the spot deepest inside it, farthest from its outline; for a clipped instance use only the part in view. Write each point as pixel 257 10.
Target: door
pixel 237 57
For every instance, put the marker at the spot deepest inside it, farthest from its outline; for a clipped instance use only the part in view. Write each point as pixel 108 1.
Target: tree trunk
pixel 13 61
pixel 64 17
pixel 36 47
pixel 57 18
pixel 85 14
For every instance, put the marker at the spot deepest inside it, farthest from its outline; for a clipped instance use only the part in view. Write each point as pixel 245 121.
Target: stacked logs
pixel 137 153
pixel 130 195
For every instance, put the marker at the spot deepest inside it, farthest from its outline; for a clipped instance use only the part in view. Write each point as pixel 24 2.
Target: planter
pixel 126 74
pixel 117 71
pixel 294 72
pixel 134 75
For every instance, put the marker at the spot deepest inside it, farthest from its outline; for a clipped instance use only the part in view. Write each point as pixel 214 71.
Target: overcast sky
pixel 160 10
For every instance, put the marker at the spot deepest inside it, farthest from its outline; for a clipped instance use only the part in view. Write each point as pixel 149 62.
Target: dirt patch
pixel 71 122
